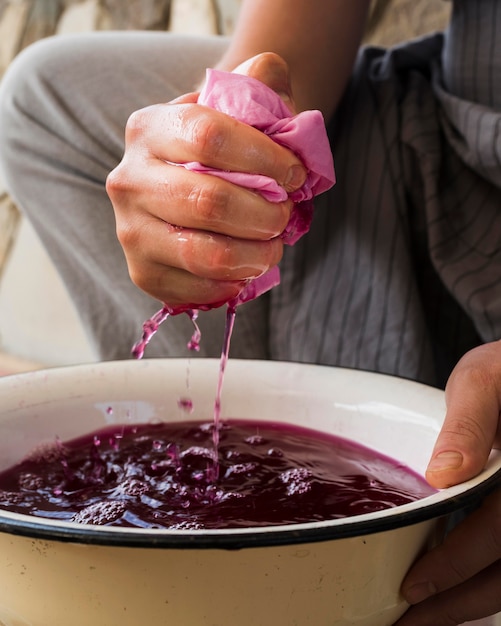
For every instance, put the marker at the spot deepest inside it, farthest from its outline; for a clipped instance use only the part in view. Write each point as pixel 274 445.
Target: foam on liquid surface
pixel 167 476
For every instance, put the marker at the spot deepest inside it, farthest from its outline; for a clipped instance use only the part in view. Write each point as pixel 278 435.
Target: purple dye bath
pixel 166 476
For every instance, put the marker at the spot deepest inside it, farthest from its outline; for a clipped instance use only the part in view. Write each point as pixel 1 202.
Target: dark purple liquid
pixel 162 476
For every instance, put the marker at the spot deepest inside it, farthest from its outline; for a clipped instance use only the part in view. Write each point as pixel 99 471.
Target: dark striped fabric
pixel 401 272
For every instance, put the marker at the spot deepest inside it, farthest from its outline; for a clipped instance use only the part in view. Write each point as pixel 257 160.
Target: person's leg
pixel 64 104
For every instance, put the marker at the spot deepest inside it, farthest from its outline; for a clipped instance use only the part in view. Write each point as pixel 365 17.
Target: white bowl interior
pixel 395 417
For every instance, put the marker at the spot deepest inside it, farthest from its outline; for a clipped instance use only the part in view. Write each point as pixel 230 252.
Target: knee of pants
pixel 28 94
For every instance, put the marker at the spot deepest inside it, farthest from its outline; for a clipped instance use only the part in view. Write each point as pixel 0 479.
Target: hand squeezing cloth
pixel 251 101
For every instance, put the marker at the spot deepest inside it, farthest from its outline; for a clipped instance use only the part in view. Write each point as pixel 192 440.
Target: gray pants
pixel 401 271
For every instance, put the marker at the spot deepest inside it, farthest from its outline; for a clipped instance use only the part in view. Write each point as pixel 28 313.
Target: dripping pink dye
pixel 151 326
pixel 161 476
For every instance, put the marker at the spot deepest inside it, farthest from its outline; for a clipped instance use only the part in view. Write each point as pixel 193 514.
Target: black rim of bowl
pixel 39 528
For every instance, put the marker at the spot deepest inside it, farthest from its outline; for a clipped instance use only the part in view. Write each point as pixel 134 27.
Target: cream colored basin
pixel 342 572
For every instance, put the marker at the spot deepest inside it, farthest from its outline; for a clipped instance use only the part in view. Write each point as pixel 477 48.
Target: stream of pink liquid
pixel 151 326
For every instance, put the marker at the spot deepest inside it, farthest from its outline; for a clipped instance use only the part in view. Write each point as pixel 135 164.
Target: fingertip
pixel 418 591
pixel 451 467
pixel 441 480
pixel 443 468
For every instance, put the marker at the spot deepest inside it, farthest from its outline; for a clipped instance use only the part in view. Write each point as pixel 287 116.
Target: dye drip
pixel 151 326
pixel 228 330
pixel 160 476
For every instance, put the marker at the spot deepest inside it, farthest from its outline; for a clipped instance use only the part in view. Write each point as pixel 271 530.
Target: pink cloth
pixel 251 101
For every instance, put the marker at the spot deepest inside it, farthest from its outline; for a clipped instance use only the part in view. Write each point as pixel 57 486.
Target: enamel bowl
pixel 341 572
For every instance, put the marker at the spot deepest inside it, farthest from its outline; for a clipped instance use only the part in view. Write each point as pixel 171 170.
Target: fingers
pixel 181 133
pixel 192 200
pixel 185 266
pixel 207 229
pixel 193 238
pixel 182 289
pixel 475 599
pixel 158 247
pixel 471 426
pixel 207 255
pixel 459 580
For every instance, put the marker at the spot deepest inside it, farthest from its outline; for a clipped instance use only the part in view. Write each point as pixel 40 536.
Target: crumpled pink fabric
pixel 251 101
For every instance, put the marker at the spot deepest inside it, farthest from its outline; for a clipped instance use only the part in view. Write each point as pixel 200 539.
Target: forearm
pixel 318 38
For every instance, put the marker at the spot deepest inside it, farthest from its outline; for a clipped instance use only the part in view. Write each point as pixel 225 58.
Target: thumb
pixel 471 425
pixel 273 71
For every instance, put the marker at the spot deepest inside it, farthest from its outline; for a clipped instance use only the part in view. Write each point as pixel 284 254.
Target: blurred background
pixel 38 324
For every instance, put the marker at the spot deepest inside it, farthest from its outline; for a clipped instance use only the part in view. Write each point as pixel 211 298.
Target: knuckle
pixel 136 125
pixel 209 203
pixel 276 250
pixel 127 235
pixel 223 261
pixel 116 183
pixel 147 282
pixel 121 182
pixel 148 276
pixel 283 214
pixel 471 370
pixel 136 277
pixel 467 429
pixel 209 136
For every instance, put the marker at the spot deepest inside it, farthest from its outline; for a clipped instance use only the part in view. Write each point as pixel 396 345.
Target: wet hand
pixel 191 238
